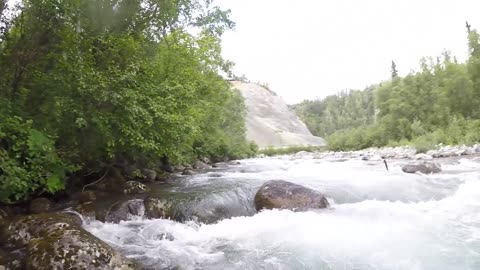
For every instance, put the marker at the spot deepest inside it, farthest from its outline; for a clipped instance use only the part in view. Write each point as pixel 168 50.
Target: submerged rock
pixel 425 167
pixel 285 195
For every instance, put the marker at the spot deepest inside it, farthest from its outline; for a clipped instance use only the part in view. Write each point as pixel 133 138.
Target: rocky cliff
pixel 270 123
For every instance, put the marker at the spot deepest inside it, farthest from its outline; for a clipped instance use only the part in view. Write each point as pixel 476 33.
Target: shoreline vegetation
pixel 87 86
pixel 439 104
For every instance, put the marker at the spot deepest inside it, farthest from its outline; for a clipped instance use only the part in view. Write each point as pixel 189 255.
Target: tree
pixel 394 70
pixel 107 80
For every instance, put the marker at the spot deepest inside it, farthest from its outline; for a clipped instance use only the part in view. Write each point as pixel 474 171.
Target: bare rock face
pixel 269 121
pixel 285 195
pixel 425 167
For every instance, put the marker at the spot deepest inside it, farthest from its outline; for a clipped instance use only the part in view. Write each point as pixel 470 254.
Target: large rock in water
pixel 269 121
pixel 57 241
pixel 285 195
pixel 425 167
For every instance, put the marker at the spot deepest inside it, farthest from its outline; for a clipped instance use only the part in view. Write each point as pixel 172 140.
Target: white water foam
pixel 390 221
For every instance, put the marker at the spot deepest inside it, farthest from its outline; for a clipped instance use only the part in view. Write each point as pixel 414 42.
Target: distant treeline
pixel 440 103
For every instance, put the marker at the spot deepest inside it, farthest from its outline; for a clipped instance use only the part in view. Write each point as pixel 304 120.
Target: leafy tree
pixel 437 104
pixel 104 80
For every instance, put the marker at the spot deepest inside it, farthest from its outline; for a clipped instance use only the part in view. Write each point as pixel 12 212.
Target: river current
pixel 378 219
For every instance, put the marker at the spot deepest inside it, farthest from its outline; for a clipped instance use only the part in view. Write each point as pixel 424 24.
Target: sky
pixel 308 49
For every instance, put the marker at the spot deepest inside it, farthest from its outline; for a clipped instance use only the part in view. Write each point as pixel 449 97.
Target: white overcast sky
pixel 306 49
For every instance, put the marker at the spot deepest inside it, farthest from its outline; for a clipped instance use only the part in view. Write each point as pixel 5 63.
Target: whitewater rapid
pixel 378 219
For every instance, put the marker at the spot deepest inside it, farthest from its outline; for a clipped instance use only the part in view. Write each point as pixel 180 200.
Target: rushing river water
pixel 377 220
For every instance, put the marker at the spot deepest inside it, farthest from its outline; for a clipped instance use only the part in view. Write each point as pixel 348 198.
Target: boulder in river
pixel 285 195
pixel 125 210
pixel 158 208
pixel 57 241
pixel 425 167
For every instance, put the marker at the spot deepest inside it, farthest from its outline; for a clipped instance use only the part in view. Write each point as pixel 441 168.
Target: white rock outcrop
pixel 270 122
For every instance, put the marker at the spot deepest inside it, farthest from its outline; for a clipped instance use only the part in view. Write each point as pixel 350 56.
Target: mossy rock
pixel 72 248
pixel 57 241
pixel 20 230
pixel 159 208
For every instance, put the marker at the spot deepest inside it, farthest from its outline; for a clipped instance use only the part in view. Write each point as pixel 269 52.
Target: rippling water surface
pixel 378 220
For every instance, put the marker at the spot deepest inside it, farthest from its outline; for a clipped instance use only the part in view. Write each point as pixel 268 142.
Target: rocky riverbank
pixel 33 235
pixel 403 152
pixel 47 233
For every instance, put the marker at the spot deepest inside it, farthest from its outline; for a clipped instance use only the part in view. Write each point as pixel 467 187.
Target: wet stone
pixel 40 205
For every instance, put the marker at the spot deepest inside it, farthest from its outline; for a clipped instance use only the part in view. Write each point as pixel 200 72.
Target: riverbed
pixel 378 219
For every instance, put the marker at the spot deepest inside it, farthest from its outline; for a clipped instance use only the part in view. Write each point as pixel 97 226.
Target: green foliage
pixel 438 104
pixel 342 111
pixel 104 80
pixel 28 161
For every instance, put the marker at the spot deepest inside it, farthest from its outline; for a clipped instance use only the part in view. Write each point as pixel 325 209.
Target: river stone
pixel 285 195
pixel 149 175
pixel 40 205
pixel 87 196
pixel 158 208
pixel 112 181
pixel 57 241
pixel 188 172
pixel 422 156
pixel 20 230
pixel 425 167
pixel 135 187
pixel 5 213
pixel 125 210
pixel 87 210
pixel 179 167
pixel 199 165
pixel 11 261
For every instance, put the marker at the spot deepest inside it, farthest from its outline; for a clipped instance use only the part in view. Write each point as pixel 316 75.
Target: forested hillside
pixel 440 103
pixel 85 83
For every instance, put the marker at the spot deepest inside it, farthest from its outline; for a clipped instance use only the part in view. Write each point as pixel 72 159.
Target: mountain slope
pixel 270 123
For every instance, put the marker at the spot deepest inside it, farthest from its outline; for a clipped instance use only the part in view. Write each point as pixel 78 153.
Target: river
pixel 378 219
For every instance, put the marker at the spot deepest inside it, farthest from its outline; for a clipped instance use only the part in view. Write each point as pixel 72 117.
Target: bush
pixel 28 161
